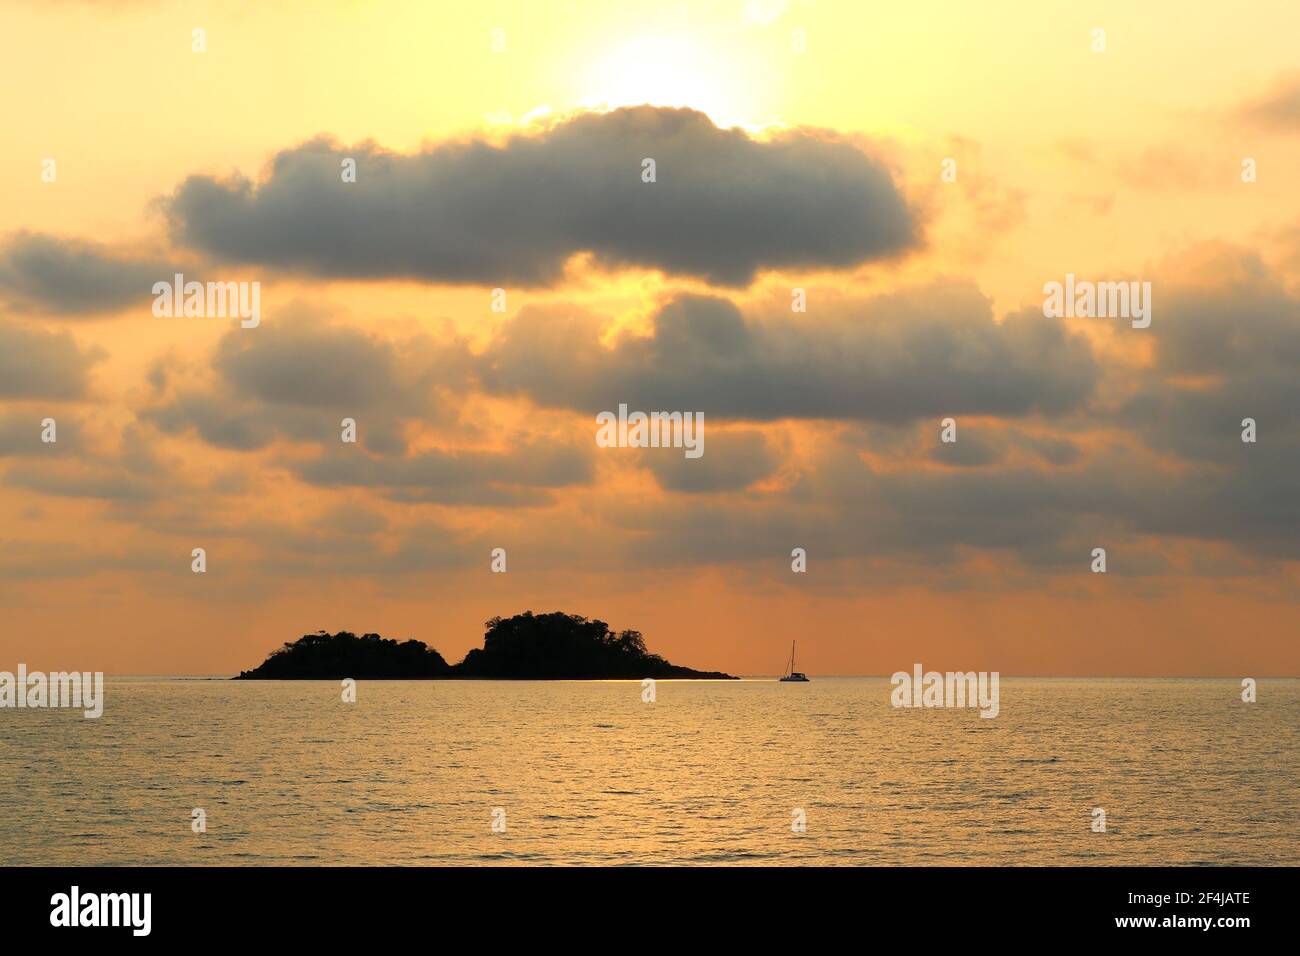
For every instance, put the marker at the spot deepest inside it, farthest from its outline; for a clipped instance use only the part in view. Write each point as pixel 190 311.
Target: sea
pixel 187 771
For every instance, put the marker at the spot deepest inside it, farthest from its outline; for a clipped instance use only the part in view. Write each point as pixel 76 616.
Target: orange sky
pixel 798 146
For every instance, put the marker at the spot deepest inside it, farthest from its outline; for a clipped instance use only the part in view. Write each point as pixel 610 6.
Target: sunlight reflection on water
pixel 708 774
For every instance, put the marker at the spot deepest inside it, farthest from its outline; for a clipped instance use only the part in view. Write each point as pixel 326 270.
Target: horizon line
pixel 736 676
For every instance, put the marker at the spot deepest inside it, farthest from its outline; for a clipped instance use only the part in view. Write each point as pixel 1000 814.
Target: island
pixel 554 646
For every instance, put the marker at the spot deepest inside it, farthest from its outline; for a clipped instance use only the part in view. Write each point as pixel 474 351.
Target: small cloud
pixel 65 276
pixel 1277 109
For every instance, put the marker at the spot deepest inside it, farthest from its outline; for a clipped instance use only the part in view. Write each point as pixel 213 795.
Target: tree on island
pixel 323 655
pixel 553 646
pixel 558 645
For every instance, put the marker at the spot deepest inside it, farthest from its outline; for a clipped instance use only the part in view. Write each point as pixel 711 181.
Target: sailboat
pixel 792 676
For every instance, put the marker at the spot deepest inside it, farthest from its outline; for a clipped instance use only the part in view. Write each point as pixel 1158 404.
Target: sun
pixel 661 71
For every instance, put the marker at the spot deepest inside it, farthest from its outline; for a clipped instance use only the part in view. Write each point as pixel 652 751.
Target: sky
pixel 501 271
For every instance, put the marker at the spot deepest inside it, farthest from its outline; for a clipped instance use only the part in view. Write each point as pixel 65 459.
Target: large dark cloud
pixel 39 364
pixel 926 353
pixel 73 276
pixel 723 206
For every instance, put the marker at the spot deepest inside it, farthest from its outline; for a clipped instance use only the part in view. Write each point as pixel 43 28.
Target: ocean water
pixel 710 773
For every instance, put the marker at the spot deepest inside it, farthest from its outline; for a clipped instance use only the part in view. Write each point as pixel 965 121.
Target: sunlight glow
pixel 662 71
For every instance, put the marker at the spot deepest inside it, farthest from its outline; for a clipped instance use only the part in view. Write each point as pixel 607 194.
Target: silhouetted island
pixel 554 646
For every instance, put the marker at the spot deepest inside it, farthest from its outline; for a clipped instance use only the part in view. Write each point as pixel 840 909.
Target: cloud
pixel 74 276
pixel 517 477
pixel 129 473
pixel 734 460
pixel 723 206
pixel 1153 465
pixel 20 435
pixel 973 450
pixel 921 525
pixel 1229 349
pixel 299 377
pixel 39 364
pixel 241 428
pixel 90 481
pixel 1279 108
pixel 924 353
pixel 1057 452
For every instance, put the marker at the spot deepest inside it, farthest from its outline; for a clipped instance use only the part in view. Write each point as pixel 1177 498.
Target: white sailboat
pixel 792 676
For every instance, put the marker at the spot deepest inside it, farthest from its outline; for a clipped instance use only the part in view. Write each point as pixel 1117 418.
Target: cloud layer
pixel 930 351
